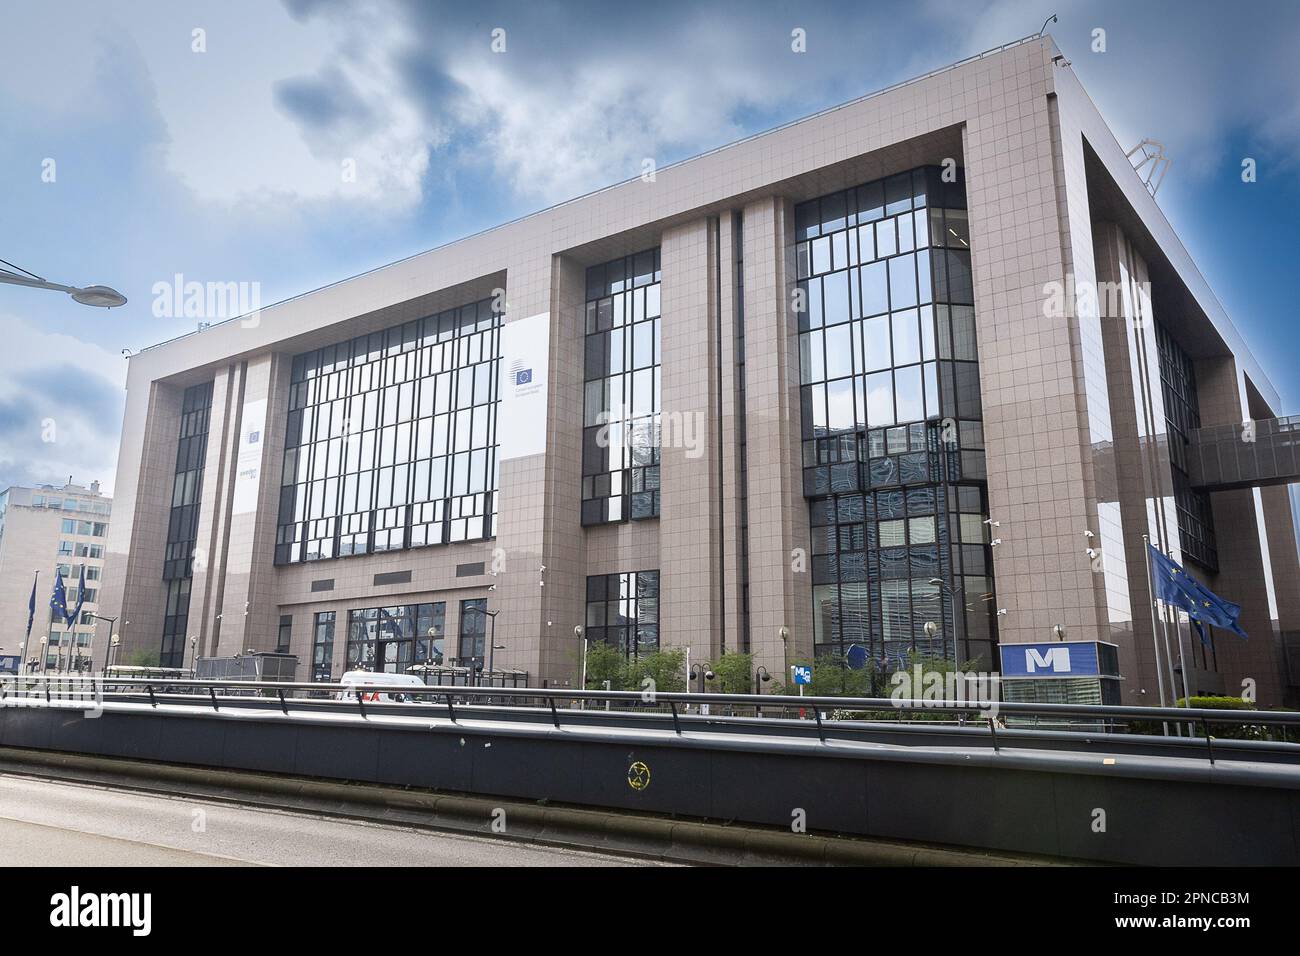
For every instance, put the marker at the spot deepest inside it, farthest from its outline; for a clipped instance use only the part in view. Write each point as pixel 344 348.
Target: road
pixel 54 823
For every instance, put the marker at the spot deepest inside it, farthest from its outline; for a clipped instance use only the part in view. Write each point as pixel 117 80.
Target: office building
pixel 932 357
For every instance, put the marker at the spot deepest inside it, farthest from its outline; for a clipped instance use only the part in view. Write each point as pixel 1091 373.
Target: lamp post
pixel 97 295
pixel 578 632
pixel 954 592
pixel 43 658
pixel 703 673
pixel 761 676
pixel 109 644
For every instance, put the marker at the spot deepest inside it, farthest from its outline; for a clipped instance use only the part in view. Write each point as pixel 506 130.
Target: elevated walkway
pixel 1223 457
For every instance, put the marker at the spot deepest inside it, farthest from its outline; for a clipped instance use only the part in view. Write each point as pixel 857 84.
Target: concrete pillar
pixel 133 590
pixel 690 523
pixel 780 589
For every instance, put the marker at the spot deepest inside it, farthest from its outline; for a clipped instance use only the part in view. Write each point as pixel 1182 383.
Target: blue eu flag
pixel 1179 589
pixel 59 599
pixel 81 600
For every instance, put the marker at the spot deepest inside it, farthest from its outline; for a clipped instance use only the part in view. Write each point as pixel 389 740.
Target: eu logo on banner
pixel 524 376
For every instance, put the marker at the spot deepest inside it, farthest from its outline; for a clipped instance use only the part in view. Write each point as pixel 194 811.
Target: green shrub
pixel 607 663
pixel 1233 731
pixel 144 658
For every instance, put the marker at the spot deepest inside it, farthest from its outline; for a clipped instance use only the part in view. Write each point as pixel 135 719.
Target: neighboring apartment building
pixel 43 530
pixel 807 393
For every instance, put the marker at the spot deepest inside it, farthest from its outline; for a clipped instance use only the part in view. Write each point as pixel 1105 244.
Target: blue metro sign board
pixel 8 663
pixel 1051 659
pixel 802 674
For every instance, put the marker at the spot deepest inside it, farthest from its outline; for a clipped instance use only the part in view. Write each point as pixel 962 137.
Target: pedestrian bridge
pixel 1252 455
pixel 1049 780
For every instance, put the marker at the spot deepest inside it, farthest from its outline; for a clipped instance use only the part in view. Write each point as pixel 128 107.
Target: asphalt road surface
pixel 53 823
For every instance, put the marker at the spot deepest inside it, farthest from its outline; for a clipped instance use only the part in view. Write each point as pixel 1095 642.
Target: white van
pixel 380 678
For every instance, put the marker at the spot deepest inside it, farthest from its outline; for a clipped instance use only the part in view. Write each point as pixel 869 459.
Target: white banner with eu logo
pixel 521 419
pixel 248 462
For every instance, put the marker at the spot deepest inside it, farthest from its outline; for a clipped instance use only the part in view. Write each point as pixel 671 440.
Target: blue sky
pixel 226 165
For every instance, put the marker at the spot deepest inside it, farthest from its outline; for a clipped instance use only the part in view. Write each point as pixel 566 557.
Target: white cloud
pixel 61 402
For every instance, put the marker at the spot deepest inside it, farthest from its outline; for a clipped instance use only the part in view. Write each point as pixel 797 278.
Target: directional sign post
pixel 801 674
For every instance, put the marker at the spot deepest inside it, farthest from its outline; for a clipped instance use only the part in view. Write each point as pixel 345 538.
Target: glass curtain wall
pixel 183 520
pixel 620 446
pixel 391 439
pixel 322 648
pixel 893 438
pixel 623 610
pixel 1182 415
pixel 472 644
pixel 391 639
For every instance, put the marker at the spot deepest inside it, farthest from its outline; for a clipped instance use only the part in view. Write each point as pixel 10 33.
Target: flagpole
pixel 1182 662
pixel 30 617
pixel 1155 640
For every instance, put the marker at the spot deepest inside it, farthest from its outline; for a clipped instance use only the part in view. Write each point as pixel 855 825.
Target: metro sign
pixel 1050 659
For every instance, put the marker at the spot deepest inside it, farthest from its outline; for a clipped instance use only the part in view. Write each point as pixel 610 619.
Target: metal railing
pixel 826 717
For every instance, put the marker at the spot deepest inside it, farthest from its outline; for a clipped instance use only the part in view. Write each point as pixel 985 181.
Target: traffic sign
pixel 802 674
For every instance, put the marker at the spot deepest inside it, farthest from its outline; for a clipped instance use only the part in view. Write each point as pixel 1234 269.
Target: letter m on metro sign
pixel 1056 658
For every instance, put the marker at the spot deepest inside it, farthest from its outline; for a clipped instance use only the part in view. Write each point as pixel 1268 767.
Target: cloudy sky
pixel 294 144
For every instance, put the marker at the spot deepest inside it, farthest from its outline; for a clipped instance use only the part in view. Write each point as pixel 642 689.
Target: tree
pixel 833 677
pixel 735 673
pixel 605 662
pixel 144 658
pixel 665 668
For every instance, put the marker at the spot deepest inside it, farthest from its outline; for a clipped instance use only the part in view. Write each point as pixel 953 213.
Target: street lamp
pixel 97 295
pixel 958 606
pixel 761 676
pixel 578 632
pixel 703 673
pixel 111 621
